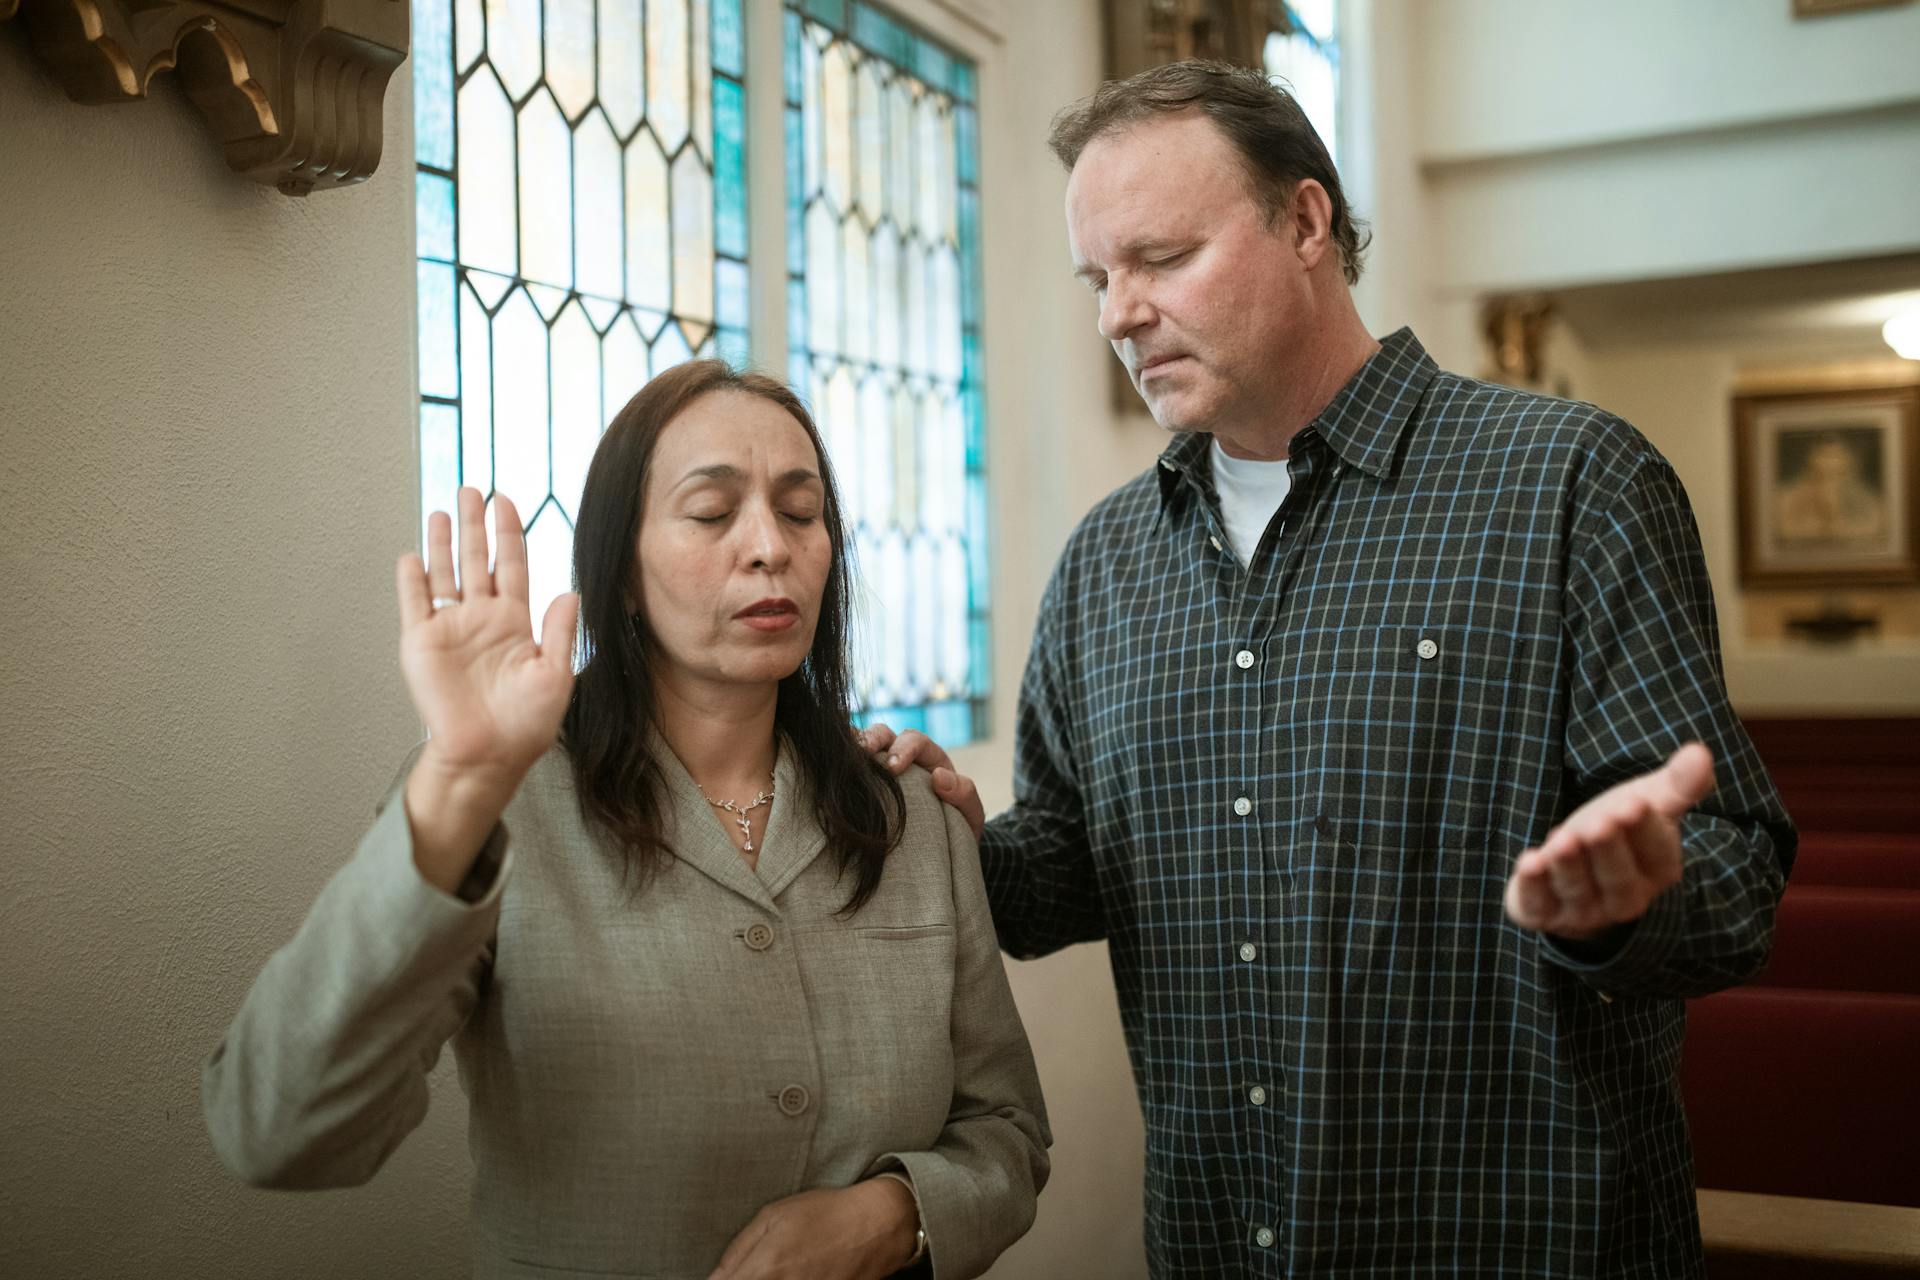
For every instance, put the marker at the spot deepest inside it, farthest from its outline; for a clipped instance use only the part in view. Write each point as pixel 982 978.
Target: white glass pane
pixel 513 43
pixel 570 54
pixel 549 566
pixel 649 251
pixel 546 194
pixel 596 207
pixel 576 405
pixel 476 393
pixel 623 365
pixel 668 85
pixel 622 75
pixel 520 404
pixel 487 204
pixel 692 238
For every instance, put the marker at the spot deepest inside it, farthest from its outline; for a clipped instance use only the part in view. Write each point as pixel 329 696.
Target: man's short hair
pixel 1276 142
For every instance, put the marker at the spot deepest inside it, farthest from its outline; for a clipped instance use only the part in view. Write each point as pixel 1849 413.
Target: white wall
pixel 207 394
pixel 1562 144
pixel 1680 396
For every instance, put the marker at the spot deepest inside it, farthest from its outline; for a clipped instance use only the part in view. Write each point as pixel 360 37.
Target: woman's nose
pixel 765 546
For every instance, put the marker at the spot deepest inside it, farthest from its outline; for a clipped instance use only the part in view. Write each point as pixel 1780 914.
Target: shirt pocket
pixel 1407 733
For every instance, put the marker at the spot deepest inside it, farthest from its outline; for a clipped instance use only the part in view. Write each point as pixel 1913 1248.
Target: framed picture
pixel 1827 482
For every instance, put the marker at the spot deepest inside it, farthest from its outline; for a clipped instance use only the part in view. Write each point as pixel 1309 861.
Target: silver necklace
pixel 740 811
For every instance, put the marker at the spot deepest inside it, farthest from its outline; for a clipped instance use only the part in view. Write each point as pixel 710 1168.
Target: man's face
pixel 1201 298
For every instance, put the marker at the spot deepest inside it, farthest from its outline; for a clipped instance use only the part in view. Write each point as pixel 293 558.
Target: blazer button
pixel 759 937
pixel 794 1099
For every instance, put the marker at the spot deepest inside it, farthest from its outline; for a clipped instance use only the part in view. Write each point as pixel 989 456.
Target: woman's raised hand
pixel 491 697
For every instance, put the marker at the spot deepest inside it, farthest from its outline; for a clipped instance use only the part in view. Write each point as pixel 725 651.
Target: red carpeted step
pixel 1834 938
pixel 1862 859
pixel 1805 1093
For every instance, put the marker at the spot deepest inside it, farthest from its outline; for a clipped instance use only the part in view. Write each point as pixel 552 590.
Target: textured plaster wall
pixel 206 393
pixel 206 400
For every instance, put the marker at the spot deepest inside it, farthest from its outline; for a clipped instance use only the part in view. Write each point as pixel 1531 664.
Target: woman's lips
pixel 770 615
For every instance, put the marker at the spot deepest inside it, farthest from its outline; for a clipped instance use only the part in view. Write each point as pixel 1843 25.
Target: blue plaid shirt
pixel 1289 797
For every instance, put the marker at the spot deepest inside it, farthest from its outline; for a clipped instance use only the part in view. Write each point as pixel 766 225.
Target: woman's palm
pixel 491 697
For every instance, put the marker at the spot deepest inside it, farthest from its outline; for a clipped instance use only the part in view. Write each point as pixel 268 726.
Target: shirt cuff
pixel 1628 962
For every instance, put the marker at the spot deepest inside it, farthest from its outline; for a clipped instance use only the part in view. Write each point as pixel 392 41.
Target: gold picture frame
pixel 1827 486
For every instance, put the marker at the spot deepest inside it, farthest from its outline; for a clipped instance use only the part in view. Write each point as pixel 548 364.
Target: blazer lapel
pixel 793 838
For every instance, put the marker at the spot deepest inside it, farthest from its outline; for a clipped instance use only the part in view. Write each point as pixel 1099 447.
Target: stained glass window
pixel 883 331
pixel 1303 51
pixel 581 192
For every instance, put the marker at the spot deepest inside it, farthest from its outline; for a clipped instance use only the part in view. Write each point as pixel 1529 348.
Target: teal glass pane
pixel 729 39
pixel 731 297
pixel 950 722
pixel 729 169
pixel 797 314
pixel 439 342
pixel 933 65
pixel 796 193
pixel 977 538
pixel 731 345
pixel 967 129
pixel 963 83
pixel 831 12
pixel 433 82
pixel 981 678
pixel 792 57
pixel 880 34
pixel 433 216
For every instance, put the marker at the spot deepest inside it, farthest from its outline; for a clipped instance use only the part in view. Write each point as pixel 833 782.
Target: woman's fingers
pixel 475 580
pixel 410 582
pixel 509 550
pixel 440 580
pixel 556 632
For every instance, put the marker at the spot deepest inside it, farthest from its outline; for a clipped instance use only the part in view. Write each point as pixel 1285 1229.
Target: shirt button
pixel 1243 806
pixel 1215 540
pixel 1426 648
pixel 793 1099
pixel 1166 464
pixel 1257 1096
pixel 1248 951
pixel 759 937
pixel 1263 1236
pixel 1243 659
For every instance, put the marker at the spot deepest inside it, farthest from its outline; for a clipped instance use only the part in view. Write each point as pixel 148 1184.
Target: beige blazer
pixel 646 1066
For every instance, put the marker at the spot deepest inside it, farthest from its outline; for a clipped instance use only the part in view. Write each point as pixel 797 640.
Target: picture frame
pixel 1826 487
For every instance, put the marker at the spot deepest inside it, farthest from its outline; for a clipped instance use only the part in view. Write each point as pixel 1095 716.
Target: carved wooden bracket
pixel 291 88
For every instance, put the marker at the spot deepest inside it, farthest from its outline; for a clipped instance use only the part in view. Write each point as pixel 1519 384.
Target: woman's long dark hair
pixel 856 801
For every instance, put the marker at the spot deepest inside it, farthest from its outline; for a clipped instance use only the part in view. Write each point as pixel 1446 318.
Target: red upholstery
pixel 1863 859
pixel 1806 1093
pixel 1847 939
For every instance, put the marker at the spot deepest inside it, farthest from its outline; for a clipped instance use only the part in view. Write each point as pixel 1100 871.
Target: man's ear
pixel 1309 216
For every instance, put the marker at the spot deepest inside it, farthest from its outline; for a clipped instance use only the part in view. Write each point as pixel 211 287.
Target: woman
pixel 725 996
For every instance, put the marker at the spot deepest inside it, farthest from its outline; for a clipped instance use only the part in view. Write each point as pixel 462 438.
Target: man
pixel 1344 726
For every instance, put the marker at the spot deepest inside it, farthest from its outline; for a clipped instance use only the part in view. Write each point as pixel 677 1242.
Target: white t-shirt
pixel 1250 492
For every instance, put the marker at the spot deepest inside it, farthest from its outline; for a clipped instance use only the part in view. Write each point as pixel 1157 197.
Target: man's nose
pixel 1123 310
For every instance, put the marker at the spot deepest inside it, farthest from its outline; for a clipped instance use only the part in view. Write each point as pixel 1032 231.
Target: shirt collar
pixel 1362 424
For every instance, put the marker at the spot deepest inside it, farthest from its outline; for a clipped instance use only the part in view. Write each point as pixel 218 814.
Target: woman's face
pixel 734 553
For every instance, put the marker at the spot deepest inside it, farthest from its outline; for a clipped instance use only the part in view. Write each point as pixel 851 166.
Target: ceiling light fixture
pixel 1903 333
